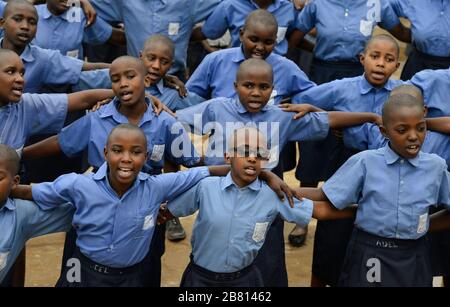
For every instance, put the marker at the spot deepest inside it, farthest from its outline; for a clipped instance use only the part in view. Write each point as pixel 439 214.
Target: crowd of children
pixel 365 134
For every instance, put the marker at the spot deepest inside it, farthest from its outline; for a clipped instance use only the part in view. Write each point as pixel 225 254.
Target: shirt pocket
pixel 156 151
pixel 258 228
pixel 145 222
pixel 420 220
pixel 3 260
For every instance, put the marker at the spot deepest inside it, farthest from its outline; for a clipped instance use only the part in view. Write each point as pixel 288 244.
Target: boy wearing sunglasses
pixel 234 214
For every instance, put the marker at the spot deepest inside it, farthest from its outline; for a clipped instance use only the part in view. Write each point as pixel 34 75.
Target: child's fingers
pixel 287 190
pixel 299 115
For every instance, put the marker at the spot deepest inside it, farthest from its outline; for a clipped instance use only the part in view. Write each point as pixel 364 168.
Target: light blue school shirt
pixel 33 114
pixel 22 220
pixel 67 32
pixel 115 231
pixel 48 67
pixel 435 86
pixel 393 194
pixel 166 137
pixel 221 116
pixel 368 136
pixel 171 98
pixel 430 24
pixel 143 18
pixel 215 76
pixel 232 222
pixel 349 95
pixel 231 14
pixel 344 26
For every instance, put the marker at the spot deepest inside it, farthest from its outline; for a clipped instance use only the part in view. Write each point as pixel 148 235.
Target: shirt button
pixel 442 12
pixel 402 161
pixel 401 182
pixel 345 28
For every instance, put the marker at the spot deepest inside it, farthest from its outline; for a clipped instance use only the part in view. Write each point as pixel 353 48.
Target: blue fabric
pixel 163 132
pixel 67 31
pixel 221 116
pixel 33 114
pixel 435 86
pixel 215 76
pixel 143 18
pixel 393 194
pixel 115 231
pixel 344 26
pixel 22 220
pixel 232 222
pixel 430 24
pixel 231 14
pixel 171 98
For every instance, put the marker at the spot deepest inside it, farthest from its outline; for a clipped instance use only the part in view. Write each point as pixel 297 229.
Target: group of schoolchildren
pixel 385 175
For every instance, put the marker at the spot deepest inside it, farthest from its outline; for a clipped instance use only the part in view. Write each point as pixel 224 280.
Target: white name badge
pixel 366 27
pixel 3 260
pixel 281 34
pixel 259 233
pixel 422 223
pixel 148 222
pixel 157 153
pixel 174 28
pixel 73 53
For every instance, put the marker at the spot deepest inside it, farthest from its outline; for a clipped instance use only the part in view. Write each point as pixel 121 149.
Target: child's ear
pixel 16 181
pixel 384 131
pixel 147 81
pixel 425 111
pixel 227 158
pixel 140 54
pixel 105 153
pixel 397 65
pixel 362 58
pixel 241 33
pixel 235 85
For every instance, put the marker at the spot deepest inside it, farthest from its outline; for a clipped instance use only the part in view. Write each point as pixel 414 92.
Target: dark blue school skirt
pixel 93 274
pixel 316 158
pixel 197 276
pixel 418 61
pixel 374 261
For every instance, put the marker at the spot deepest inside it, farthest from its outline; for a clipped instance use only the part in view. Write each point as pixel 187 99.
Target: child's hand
pixel 164 215
pixel 338 133
pixel 377 120
pixel 301 109
pixel 158 106
pixel 89 11
pixel 175 83
pixel 100 103
pixel 278 186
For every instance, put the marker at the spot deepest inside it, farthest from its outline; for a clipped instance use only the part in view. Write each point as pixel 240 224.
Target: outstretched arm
pixel 45 148
pixel 401 32
pixel 315 194
pixel 324 210
pixel 85 100
pixel 439 124
pixel 93 66
pixel 22 191
pixel 347 119
pixel 440 221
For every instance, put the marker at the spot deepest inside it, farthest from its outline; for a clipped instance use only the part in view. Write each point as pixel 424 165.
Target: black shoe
pixel 297 240
pixel 174 230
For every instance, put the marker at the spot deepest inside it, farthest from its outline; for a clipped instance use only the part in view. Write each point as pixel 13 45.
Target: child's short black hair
pixel 383 37
pixel 4 52
pixel 262 17
pixel 138 62
pixel 249 63
pixel 12 3
pixel 407 89
pixel 129 127
pixel 398 101
pixel 162 39
pixel 12 159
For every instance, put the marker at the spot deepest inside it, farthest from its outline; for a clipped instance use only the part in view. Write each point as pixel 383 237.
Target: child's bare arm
pixel 22 191
pixel 45 148
pixel 439 221
pixel 85 100
pixel 324 210
pixel 401 32
pixel 347 119
pixel 93 66
pixel 118 37
pixel 315 194
pixel 439 124
pixel 300 109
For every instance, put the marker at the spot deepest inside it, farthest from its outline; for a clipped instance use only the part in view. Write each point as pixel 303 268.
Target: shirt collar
pixel 26 55
pixel 9 205
pixel 391 156
pixel 366 87
pixel 102 172
pixel 228 181
pixel 158 87
pixel 111 110
pixel 45 13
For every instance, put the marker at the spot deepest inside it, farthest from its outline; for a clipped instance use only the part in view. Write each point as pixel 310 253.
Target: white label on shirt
pixel 272 97
pixel 73 53
pixel 366 27
pixel 148 222
pixel 157 153
pixel 281 34
pixel 260 231
pixel 3 260
pixel 174 28
pixel 422 223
